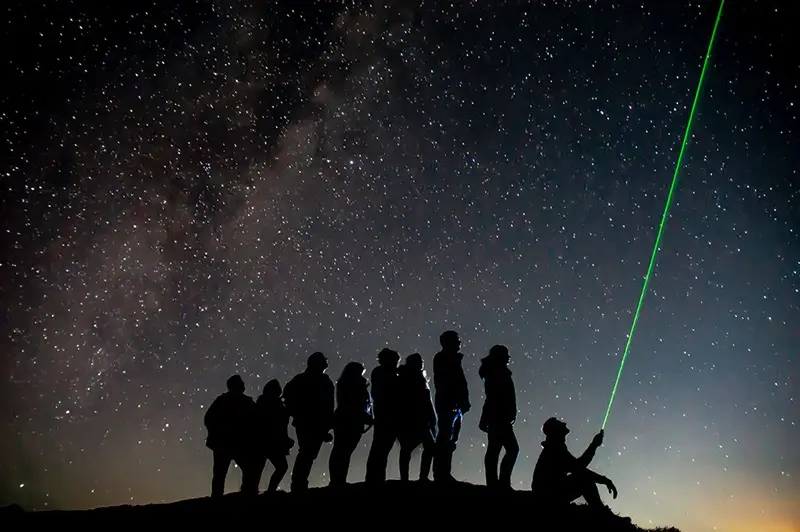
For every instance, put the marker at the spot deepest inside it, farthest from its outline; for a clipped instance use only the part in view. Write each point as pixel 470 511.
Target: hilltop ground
pixel 394 505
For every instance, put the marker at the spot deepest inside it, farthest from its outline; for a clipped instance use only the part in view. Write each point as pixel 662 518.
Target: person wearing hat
pixel 559 477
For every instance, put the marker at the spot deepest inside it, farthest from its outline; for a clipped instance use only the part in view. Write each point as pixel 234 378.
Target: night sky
pixel 220 187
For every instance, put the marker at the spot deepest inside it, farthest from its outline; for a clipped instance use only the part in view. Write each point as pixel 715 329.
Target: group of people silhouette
pixel 396 403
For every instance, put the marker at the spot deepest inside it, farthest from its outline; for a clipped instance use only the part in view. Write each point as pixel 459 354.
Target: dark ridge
pixel 393 505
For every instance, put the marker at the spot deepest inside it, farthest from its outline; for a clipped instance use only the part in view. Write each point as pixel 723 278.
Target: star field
pixel 223 187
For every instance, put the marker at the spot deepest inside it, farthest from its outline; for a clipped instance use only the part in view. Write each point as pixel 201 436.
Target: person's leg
pixel 511 446
pixel 252 466
pixel 378 459
pixel 345 443
pixel 428 447
pixel 491 457
pixel 309 445
pixel 281 467
pixel 352 445
pixel 449 429
pixel 459 418
pixel 336 467
pixel 444 434
pixel 582 485
pixel 405 458
pixel 301 466
pixel 222 461
pixel 456 432
pixel 408 443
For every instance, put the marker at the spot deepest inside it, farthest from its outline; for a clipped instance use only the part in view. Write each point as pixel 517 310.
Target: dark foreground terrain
pixel 392 506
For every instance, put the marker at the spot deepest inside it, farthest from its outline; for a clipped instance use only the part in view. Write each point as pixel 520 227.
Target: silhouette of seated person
pixel 352 418
pixel 272 436
pixel 309 397
pixel 498 417
pixel 417 416
pixel 559 477
pixel 228 421
pixel 451 401
pixel 386 411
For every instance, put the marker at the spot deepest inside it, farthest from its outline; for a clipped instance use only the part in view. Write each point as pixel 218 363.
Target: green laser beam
pixel 666 207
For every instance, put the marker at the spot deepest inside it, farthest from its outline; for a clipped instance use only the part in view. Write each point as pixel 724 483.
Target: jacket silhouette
pixel 498 416
pixel 417 418
pixel 385 407
pixel 451 402
pixel 353 414
pixel 229 420
pixel 559 477
pixel 309 397
pixel 272 436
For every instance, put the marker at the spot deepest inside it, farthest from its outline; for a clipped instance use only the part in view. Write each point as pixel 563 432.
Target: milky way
pixel 225 187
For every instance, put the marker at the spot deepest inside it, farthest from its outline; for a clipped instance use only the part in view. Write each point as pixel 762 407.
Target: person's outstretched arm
pixel 587 456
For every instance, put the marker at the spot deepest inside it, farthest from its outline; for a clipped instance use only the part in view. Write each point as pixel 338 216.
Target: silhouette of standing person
pixel 385 409
pixel 451 402
pixel 559 478
pixel 417 418
pixel 228 421
pixel 309 397
pixel 272 436
pixel 498 416
pixel 353 413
